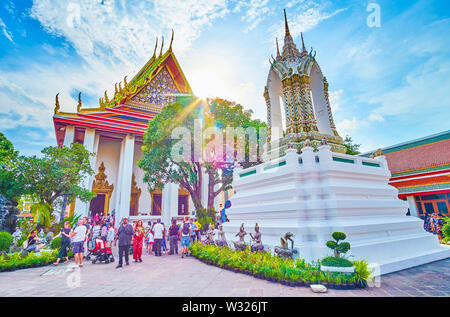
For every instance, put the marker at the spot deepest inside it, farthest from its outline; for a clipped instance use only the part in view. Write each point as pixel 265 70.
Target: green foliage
pixel 352 149
pixel 338 236
pixel 362 272
pixel 205 217
pixel 56 243
pixel 44 213
pixel 11 180
pixel 339 248
pixel 271 266
pixel 446 228
pixel 336 262
pixel 5 241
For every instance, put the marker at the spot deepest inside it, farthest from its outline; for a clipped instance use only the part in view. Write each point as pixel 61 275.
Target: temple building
pixel 421 172
pixel 296 78
pixel 114 132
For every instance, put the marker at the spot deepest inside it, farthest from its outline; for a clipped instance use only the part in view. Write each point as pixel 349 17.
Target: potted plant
pixel 362 273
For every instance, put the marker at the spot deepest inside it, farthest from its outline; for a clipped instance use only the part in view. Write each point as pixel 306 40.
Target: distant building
pixel 421 172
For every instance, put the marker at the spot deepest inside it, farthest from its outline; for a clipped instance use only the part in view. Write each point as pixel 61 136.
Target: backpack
pixel 185 230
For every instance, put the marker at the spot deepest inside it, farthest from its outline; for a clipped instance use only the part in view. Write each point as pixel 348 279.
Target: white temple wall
pixel 109 154
pixel 319 102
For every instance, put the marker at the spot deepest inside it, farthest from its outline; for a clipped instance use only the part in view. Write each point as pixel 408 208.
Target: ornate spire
pixel 278 50
pixel 286 26
pixel 303 43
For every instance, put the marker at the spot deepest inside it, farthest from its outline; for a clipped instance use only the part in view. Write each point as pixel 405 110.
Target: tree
pixel 181 122
pixel 352 149
pixel 58 173
pixel 339 248
pixel 225 114
pixel 157 160
pixel 11 179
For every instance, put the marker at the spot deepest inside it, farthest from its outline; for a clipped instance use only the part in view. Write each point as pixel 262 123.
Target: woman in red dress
pixel 138 241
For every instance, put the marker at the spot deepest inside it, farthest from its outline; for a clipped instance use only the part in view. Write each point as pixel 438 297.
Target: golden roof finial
pixel 116 91
pixel 154 51
pixel 171 40
pixel 57 106
pixel 286 26
pixel 125 83
pixel 106 97
pixel 162 45
pixel 79 103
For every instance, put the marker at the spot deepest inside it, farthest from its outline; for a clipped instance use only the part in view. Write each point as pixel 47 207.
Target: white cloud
pixel 346 127
pixel 376 117
pixel 422 92
pixel 5 31
pixel 256 10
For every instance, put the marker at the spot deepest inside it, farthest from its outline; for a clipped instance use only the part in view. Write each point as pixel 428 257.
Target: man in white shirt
pixel 158 234
pixel 78 236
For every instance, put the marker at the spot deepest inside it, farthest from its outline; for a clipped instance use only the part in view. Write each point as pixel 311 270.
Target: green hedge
pixel 336 262
pixel 5 241
pixel 271 267
pixel 14 261
pixel 56 243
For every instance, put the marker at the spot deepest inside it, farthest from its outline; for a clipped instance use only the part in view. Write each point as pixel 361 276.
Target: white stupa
pixel 316 193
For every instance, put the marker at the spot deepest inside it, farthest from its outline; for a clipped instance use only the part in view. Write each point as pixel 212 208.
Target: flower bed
pixel 16 261
pixel 272 268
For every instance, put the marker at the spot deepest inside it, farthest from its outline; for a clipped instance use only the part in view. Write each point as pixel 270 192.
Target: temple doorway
pixel 103 190
pixel 156 202
pixel 183 201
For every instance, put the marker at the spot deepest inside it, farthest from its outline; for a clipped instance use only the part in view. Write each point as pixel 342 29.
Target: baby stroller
pixel 100 252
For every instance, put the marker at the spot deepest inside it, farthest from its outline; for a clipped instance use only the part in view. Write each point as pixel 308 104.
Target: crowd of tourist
pixel 133 238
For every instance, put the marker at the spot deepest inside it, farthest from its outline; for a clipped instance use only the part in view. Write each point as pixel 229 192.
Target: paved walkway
pixel 173 276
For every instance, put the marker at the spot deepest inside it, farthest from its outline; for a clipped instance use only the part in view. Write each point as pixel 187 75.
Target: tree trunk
pixel 211 196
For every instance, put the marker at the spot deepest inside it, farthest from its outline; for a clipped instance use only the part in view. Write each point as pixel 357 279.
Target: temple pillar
pixel 91 144
pixel 69 135
pixel 124 179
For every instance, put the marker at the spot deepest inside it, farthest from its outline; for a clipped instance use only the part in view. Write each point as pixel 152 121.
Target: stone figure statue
pixel 210 235
pixel 240 245
pixel 257 246
pixel 379 152
pixel 222 240
pixel 283 250
pixel 324 141
pixel 41 234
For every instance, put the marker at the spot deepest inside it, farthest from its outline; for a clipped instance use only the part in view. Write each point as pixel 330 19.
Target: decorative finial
pixel 171 40
pixel 120 87
pixel 106 97
pixel 79 103
pixel 162 45
pixel 125 83
pixel 303 43
pixel 278 50
pixel 286 26
pixel 115 91
pixel 154 51
pixel 57 106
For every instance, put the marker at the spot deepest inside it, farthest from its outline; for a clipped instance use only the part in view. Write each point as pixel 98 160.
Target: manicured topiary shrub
pixel 5 241
pixel 339 248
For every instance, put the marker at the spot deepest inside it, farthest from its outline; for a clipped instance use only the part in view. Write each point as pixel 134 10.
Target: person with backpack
pixel 158 234
pixel 173 237
pixel 185 236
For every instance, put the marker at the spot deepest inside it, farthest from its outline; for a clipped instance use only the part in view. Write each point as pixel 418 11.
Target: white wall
pixel 319 102
pixel 109 154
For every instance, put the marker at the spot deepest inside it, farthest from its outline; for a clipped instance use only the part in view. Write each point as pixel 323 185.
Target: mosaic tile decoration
pixel 161 90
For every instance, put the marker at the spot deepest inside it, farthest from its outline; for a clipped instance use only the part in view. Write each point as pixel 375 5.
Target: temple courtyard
pixel 172 276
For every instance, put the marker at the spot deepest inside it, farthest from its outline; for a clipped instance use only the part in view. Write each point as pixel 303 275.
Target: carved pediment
pixel 100 184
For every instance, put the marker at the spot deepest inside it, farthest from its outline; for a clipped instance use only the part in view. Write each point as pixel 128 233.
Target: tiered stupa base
pixel 315 194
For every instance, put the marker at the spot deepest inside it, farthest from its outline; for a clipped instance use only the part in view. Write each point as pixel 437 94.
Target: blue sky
pixel 388 84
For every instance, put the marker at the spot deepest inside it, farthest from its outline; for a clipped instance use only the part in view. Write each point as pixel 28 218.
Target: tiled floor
pixel 173 276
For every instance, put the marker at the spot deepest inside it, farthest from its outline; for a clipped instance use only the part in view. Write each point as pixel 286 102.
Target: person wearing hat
pixel 124 235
